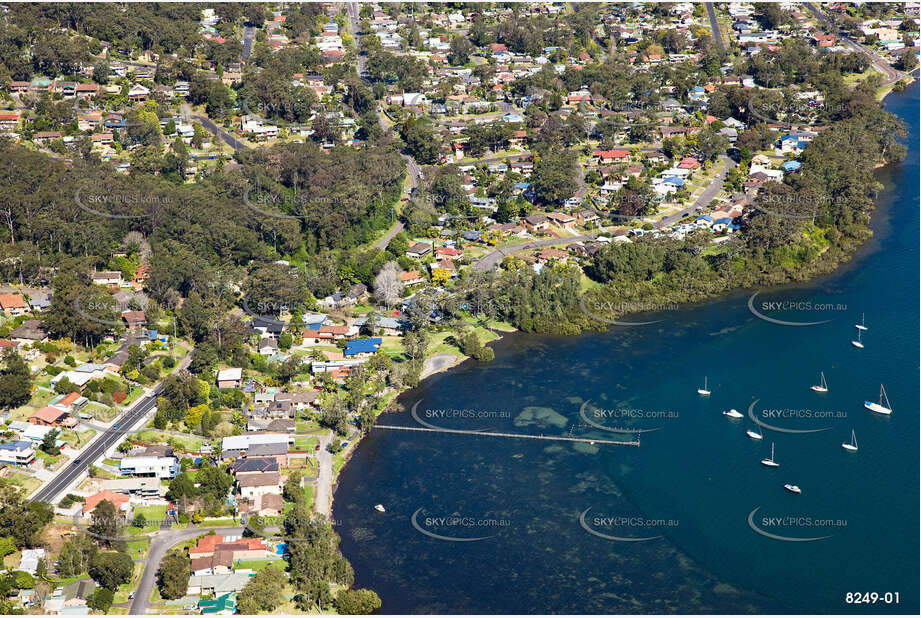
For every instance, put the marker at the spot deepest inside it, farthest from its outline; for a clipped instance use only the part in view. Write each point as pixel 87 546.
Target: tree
pixel 22 519
pixel 263 592
pixel 75 556
pixel 49 443
pixel 460 50
pixel 420 141
pixel 554 176
pixel 100 599
pixel 15 381
pixel 362 601
pixel 388 287
pixel 173 574
pixel 106 523
pixel 111 569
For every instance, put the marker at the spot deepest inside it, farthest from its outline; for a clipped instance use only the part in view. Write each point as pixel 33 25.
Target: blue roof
pixel 726 220
pixel 705 218
pixel 16 445
pixel 362 346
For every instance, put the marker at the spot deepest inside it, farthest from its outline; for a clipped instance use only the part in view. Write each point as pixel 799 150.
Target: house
pixel 267 326
pixel 267 505
pixel 267 346
pixel 159 467
pixel 536 222
pixel 254 484
pixel 118 500
pixel 688 163
pixel 411 277
pixel 362 347
pixel 276 450
pixel 385 325
pixel 255 464
pixel 48 416
pixel 70 402
pixel 141 487
pixel 112 279
pixel 30 331
pixel 217 585
pixel 606 157
pixel 233 447
pixel 219 562
pixel 230 378
pixel 418 250
pixel 28 561
pixel 19 453
pixel 138 93
pixel 40 301
pixel 274 409
pixel 13 304
pixel 134 319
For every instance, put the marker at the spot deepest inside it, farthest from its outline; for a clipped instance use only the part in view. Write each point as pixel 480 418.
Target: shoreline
pixel 849 261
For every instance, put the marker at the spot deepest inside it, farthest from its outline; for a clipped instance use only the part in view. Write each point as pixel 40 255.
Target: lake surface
pixel 693 484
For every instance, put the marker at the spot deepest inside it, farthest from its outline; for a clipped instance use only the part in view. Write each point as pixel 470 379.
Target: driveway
pixel 160 543
pixel 323 496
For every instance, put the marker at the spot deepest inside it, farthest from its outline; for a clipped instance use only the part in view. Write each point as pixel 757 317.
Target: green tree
pixel 49 443
pixel 105 524
pixel 173 574
pixel 263 592
pixel 15 381
pixel 21 518
pixel 111 569
pixel 76 555
pixel 360 601
pixel 100 599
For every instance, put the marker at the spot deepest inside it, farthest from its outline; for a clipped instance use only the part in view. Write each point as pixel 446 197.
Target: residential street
pixel 160 543
pixel 705 198
pixel 323 495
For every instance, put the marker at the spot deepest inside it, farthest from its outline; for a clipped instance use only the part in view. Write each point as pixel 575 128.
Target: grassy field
pixel 258 565
pixel 153 514
pixel 187 443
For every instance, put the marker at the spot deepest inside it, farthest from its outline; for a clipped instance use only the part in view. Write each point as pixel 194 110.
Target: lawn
pixel 153 514
pixel 190 443
pixel 258 565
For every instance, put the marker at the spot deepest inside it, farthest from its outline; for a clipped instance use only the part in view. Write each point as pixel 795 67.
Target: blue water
pixel 699 472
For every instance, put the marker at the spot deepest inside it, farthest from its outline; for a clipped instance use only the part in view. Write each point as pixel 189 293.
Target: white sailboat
pixel 754 434
pixel 793 488
pixel 858 343
pixel 704 390
pixel 822 386
pixel 852 445
pixel 733 413
pixel 862 325
pixel 770 463
pixel 879 408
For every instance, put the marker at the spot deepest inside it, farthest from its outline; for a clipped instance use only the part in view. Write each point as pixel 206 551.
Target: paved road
pixel 354 19
pixel 249 34
pixel 715 26
pixel 160 543
pixel 705 198
pixel 50 491
pixel 491 260
pixel 880 63
pixel 323 496
pixel 102 442
pixel 224 135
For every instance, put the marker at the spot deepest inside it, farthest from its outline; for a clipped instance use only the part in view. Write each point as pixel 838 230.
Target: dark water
pixel 699 474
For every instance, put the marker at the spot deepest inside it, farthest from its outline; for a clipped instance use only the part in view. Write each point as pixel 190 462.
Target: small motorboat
pixel 793 488
pixel 754 434
pixel 380 508
pixel 733 413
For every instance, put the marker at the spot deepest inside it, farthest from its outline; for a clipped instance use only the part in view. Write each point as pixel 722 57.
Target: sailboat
pixel 822 386
pixel 793 488
pixel 754 433
pixel 733 413
pixel 704 390
pixel 879 407
pixel 861 326
pixel 852 445
pixel 858 343
pixel 770 463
